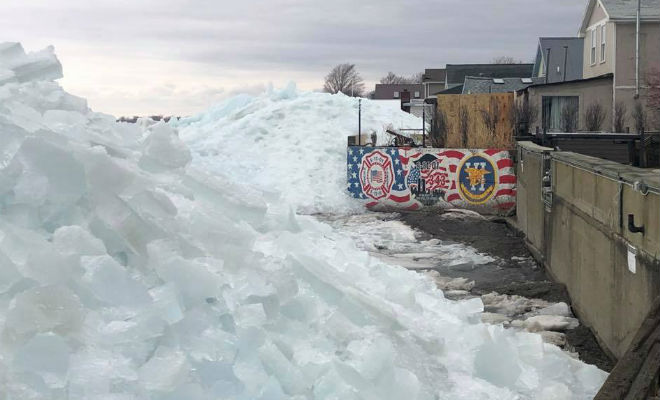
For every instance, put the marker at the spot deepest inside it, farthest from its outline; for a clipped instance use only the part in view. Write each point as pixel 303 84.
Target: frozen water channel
pixel 389 239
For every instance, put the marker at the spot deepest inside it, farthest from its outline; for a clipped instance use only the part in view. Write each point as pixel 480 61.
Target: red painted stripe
pixel 505 179
pixel 506 192
pixel 453 168
pixel 372 204
pixel 453 197
pixel 400 199
pixel 452 154
pixel 506 206
pixel 505 163
pixel 414 207
pixel 492 152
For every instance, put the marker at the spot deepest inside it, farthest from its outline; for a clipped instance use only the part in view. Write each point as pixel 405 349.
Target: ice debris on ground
pixel 129 274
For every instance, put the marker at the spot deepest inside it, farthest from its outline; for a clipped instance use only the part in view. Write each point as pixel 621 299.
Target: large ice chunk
pixel 129 272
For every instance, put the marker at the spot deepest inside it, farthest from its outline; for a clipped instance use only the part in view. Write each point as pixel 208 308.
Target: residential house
pixel 609 73
pixel 479 85
pixel 393 91
pixel 610 30
pixel 434 81
pixel 559 59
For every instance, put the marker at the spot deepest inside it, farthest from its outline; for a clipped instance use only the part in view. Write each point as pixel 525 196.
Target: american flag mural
pixel 412 178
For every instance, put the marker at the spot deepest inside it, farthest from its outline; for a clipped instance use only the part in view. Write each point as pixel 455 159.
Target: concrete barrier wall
pixel 413 178
pixel 580 230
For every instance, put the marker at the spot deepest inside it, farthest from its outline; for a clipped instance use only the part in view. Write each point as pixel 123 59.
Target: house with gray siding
pixel 392 91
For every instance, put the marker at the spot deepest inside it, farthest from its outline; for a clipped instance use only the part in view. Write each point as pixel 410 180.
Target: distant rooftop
pixel 456 73
pixel 477 84
pixel 388 91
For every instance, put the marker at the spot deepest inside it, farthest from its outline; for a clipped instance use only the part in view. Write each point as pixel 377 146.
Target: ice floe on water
pixel 128 273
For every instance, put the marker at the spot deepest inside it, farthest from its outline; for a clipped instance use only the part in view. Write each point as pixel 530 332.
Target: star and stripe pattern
pixel 443 177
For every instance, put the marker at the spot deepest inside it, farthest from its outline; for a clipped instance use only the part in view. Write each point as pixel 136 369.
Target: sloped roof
pixel 452 90
pixel 627 9
pixel 456 73
pixel 476 85
pixel 623 10
pixel 563 51
pixel 435 75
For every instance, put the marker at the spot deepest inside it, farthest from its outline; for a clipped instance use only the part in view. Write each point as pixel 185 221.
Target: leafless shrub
pixel 439 127
pixel 522 117
pixel 594 116
pixel 464 124
pixel 568 118
pixel 490 119
pixel 639 116
pixel 344 78
pixel 620 114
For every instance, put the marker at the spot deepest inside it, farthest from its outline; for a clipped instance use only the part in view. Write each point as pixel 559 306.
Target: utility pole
pixel 360 122
pixel 639 17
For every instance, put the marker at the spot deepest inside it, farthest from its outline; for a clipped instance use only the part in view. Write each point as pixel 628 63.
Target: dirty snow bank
pixel 126 273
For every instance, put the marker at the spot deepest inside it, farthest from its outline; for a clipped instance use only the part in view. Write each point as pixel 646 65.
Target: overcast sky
pixel 180 56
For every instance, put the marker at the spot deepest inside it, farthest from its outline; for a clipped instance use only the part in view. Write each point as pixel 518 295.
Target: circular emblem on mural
pixel 477 179
pixel 377 175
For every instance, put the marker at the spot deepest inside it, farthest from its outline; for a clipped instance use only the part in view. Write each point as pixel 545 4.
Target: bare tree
pixel 639 116
pixel 416 78
pixel 594 116
pixel 506 60
pixel 568 118
pixel 464 124
pixel 523 116
pixel 620 115
pixel 392 78
pixel 653 98
pixel 344 78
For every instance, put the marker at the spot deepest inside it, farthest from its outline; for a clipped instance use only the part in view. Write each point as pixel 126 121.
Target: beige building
pixel 609 30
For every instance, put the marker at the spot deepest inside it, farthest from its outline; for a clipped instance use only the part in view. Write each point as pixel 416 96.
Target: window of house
pixel 396 95
pixel 603 37
pixel 593 46
pixel 417 95
pixel 560 113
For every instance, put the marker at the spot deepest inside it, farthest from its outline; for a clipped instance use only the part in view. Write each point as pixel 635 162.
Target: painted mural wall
pixel 414 178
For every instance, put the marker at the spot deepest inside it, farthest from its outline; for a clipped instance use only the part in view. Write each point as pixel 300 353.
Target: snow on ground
pixel 127 273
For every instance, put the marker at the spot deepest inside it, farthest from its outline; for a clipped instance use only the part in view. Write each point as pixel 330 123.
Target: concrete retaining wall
pixel 579 228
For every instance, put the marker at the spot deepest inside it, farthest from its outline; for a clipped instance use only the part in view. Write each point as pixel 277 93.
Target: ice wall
pixel 127 273
pixel 290 141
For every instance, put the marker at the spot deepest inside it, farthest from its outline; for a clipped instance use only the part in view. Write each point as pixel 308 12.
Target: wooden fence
pixel 478 120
